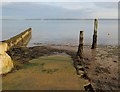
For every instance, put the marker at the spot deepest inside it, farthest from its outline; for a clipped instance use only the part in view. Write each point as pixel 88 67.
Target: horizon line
pixel 57 18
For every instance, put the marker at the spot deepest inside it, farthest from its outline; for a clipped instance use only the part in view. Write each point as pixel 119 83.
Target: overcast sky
pixel 46 9
pixel 59 0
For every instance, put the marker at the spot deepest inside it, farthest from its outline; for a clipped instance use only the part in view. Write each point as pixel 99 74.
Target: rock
pixel 115 61
pixel 88 88
pixel 86 67
pixel 6 63
pixel 80 72
pixel 85 76
pixel 79 67
pixel 3 48
pixel 114 78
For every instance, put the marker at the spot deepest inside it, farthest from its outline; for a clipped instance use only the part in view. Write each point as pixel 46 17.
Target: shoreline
pixel 70 44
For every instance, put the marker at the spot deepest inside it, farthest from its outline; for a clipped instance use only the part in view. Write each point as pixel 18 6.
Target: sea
pixel 62 31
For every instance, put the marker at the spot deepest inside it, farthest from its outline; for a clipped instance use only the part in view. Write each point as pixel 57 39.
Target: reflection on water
pixel 62 31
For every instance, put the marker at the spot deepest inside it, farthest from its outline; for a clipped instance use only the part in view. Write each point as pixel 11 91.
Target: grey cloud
pixel 41 10
pixel 106 4
pixel 32 10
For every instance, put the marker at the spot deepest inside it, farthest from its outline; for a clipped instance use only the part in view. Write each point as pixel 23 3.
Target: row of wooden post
pixel 94 43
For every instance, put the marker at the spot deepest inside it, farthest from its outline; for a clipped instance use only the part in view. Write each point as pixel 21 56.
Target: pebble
pixel 115 61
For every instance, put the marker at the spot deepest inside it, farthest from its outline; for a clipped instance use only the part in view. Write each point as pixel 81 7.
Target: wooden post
pixel 94 44
pixel 80 47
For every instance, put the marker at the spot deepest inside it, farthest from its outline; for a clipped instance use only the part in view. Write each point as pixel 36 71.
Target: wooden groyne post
pixel 80 47
pixel 94 43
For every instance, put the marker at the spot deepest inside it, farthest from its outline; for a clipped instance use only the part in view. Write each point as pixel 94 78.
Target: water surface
pixel 62 31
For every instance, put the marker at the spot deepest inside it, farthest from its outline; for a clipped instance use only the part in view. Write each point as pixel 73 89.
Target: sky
pixel 52 9
pixel 60 0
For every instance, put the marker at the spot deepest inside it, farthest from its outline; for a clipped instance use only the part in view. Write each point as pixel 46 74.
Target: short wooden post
pixel 94 44
pixel 80 47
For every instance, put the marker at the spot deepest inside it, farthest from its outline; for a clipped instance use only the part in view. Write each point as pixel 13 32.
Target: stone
pixel 80 72
pixel 115 61
pixel 6 63
pixel 80 67
pixel 3 47
pixel 88 88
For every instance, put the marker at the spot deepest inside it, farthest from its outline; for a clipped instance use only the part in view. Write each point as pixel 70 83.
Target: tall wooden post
pixel 80 47
pixel 94 44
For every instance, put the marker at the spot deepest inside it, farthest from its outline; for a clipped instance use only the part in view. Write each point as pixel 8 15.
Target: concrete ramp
pixel 54 72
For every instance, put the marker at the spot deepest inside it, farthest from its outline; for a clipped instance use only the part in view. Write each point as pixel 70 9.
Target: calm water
pixel 62 31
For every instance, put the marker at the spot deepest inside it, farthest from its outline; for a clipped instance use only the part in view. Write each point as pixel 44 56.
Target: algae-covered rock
pixel 6 63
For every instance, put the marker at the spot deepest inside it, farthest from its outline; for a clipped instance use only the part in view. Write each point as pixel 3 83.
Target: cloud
pixel 60 0
pixel 73 5
pixel 60 10
pixel 38 11
pixel 106 14
pixel 106 10
pixel 107 4
pixel 93 9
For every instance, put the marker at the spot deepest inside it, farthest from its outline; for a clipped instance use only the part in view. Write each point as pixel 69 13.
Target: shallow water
pixel 62 31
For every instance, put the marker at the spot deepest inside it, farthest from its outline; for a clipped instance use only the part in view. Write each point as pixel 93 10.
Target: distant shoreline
pixel 53 19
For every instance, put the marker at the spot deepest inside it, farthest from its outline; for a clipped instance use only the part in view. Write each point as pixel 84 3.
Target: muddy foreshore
pixel 101 64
